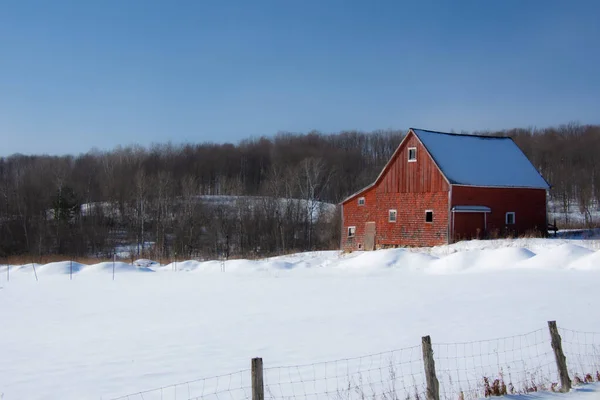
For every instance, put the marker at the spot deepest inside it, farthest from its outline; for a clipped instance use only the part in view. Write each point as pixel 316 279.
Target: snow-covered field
pixel 153 326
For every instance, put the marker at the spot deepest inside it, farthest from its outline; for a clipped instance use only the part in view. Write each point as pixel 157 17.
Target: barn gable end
pixel 411 188
pixel 403 176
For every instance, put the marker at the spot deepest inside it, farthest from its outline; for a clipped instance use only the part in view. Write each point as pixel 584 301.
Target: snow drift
pixel 194 319
pixel 463 257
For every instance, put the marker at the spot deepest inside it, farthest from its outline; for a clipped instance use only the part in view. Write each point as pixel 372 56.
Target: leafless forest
pixel 274 194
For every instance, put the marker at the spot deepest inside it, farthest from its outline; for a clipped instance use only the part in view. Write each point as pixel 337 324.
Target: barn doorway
pixel 370 236
pixel 469 222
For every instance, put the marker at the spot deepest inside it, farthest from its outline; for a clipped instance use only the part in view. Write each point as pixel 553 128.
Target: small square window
pixel 510 218
pixel 428 216
pixel 392 215
pixel 351 231
pixel 412 154
pixel 361 201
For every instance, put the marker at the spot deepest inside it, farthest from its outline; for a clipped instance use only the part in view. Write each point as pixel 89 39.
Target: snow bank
pixel 480 260
pixel 558 258
pixel 468 256
pixel 310 259
pixel 26 267
pixel 536 245
pixel 63 267
pixel 179 266
pixel 287 262
pixel 54 268
pixel 118 267
pixel 587 262
pixel 391 258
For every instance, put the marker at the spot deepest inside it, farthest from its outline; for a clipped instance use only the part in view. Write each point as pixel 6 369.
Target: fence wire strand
pixel 508 365
pixel 582 350
pixel 235 386
pixel 391 375
pixel 465 371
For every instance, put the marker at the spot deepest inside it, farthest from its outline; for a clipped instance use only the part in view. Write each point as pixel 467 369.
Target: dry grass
pixel 496 388
pixel 533 233
pixel 45 259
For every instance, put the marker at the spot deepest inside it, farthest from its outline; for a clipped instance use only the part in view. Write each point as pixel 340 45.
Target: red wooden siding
pixel 410 228
pixel 469 226
pixel 358 216
pixel 412 177
pixel 529 206
pixel 411 188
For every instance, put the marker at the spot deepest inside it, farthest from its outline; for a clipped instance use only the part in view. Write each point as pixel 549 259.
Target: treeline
pixel 161 198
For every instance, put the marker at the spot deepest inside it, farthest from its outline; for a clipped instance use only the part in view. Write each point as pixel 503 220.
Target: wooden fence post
pixel 433 386
pixel 258 389
pixel 561 360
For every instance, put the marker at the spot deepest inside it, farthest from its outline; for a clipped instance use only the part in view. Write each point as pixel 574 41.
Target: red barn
pixel 442 187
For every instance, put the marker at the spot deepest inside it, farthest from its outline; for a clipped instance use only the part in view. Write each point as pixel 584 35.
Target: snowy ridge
pixel 471 256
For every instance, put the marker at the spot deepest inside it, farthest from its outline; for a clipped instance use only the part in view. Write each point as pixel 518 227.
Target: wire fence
pixel 508 365
pixel 390 375
pixel 235 386
pixel 469 370
pixel 582 350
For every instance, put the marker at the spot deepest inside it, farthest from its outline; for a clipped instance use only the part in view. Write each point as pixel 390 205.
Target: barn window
pixel 412 154
pixel 351 231
pixel 428 216
pixel 510 218
pixel 361 201
pixel 392 216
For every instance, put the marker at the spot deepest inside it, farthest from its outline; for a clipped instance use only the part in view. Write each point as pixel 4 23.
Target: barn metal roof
pixel 481 160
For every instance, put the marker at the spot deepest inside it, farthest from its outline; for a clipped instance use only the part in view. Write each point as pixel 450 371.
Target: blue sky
pixel 75 75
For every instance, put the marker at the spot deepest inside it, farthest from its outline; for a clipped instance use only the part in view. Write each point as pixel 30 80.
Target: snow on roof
pixel 481 160
pixel 471 209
